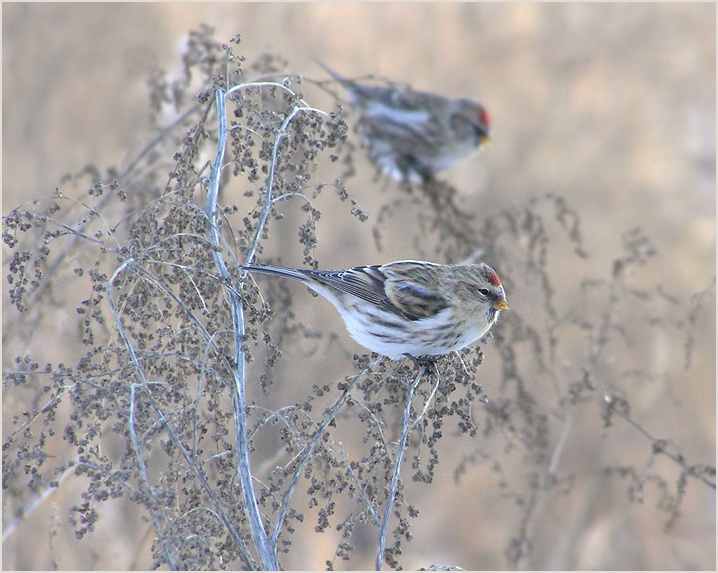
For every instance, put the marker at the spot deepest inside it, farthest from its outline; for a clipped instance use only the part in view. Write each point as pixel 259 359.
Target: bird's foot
pixel 425 362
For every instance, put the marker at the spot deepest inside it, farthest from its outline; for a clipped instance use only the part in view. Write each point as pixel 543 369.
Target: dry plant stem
pixel 143 467
pixel 213 496
pixel 267 556
pixel 266 547
pixel 144 485
pixel 269 198
pixel 309 451
pixel 145 385
pixel 25 513
pixel 598 346
pixel 397 468
pixel 77 233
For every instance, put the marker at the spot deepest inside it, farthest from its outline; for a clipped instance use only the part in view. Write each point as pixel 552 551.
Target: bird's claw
pixel 425 362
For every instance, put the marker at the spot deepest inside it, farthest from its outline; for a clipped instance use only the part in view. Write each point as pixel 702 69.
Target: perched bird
pixel 412 134
pixel 409 308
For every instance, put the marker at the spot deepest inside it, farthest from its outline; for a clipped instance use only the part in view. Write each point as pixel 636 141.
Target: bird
pixel 408 308
pixel 413 134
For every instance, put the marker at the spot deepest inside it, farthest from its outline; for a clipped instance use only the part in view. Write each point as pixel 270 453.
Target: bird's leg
pixel 425 362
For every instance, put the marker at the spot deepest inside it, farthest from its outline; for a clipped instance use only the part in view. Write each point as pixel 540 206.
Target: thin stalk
pixel 265 550
pixel 397 468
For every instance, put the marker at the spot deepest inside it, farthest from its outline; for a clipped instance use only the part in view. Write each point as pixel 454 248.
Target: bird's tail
pixel 342 80
pixel 277 271
pixel 336 76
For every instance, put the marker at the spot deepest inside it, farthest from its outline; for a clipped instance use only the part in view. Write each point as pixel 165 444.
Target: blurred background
pixel 612 106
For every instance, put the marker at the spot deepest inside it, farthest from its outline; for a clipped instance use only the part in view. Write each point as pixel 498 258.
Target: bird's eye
pixel 484 291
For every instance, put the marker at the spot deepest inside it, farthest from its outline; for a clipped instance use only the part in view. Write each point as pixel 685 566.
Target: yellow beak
pixel 501 305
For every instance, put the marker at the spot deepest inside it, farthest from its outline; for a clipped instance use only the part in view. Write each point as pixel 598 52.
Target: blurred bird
pixel 408 308
pixel 412 134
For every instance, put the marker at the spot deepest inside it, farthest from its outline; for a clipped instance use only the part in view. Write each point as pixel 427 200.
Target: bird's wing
pixel 365 283
pixel 415 300
pixel 406 131
pixel 395 291
pixel 415 293
pixel 400 124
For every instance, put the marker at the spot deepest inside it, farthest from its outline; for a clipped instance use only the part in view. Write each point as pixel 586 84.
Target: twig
pixel 267 555
pixel 26 511
pixel 145 385
pixel 429 400
pixel 266 547
pixel 268 200
pixel 144 482
pixel 397 468
pixel 203 480
pixel 77 232
pixel 307 454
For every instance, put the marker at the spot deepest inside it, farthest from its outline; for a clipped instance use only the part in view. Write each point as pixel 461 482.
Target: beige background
pixel 611 106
